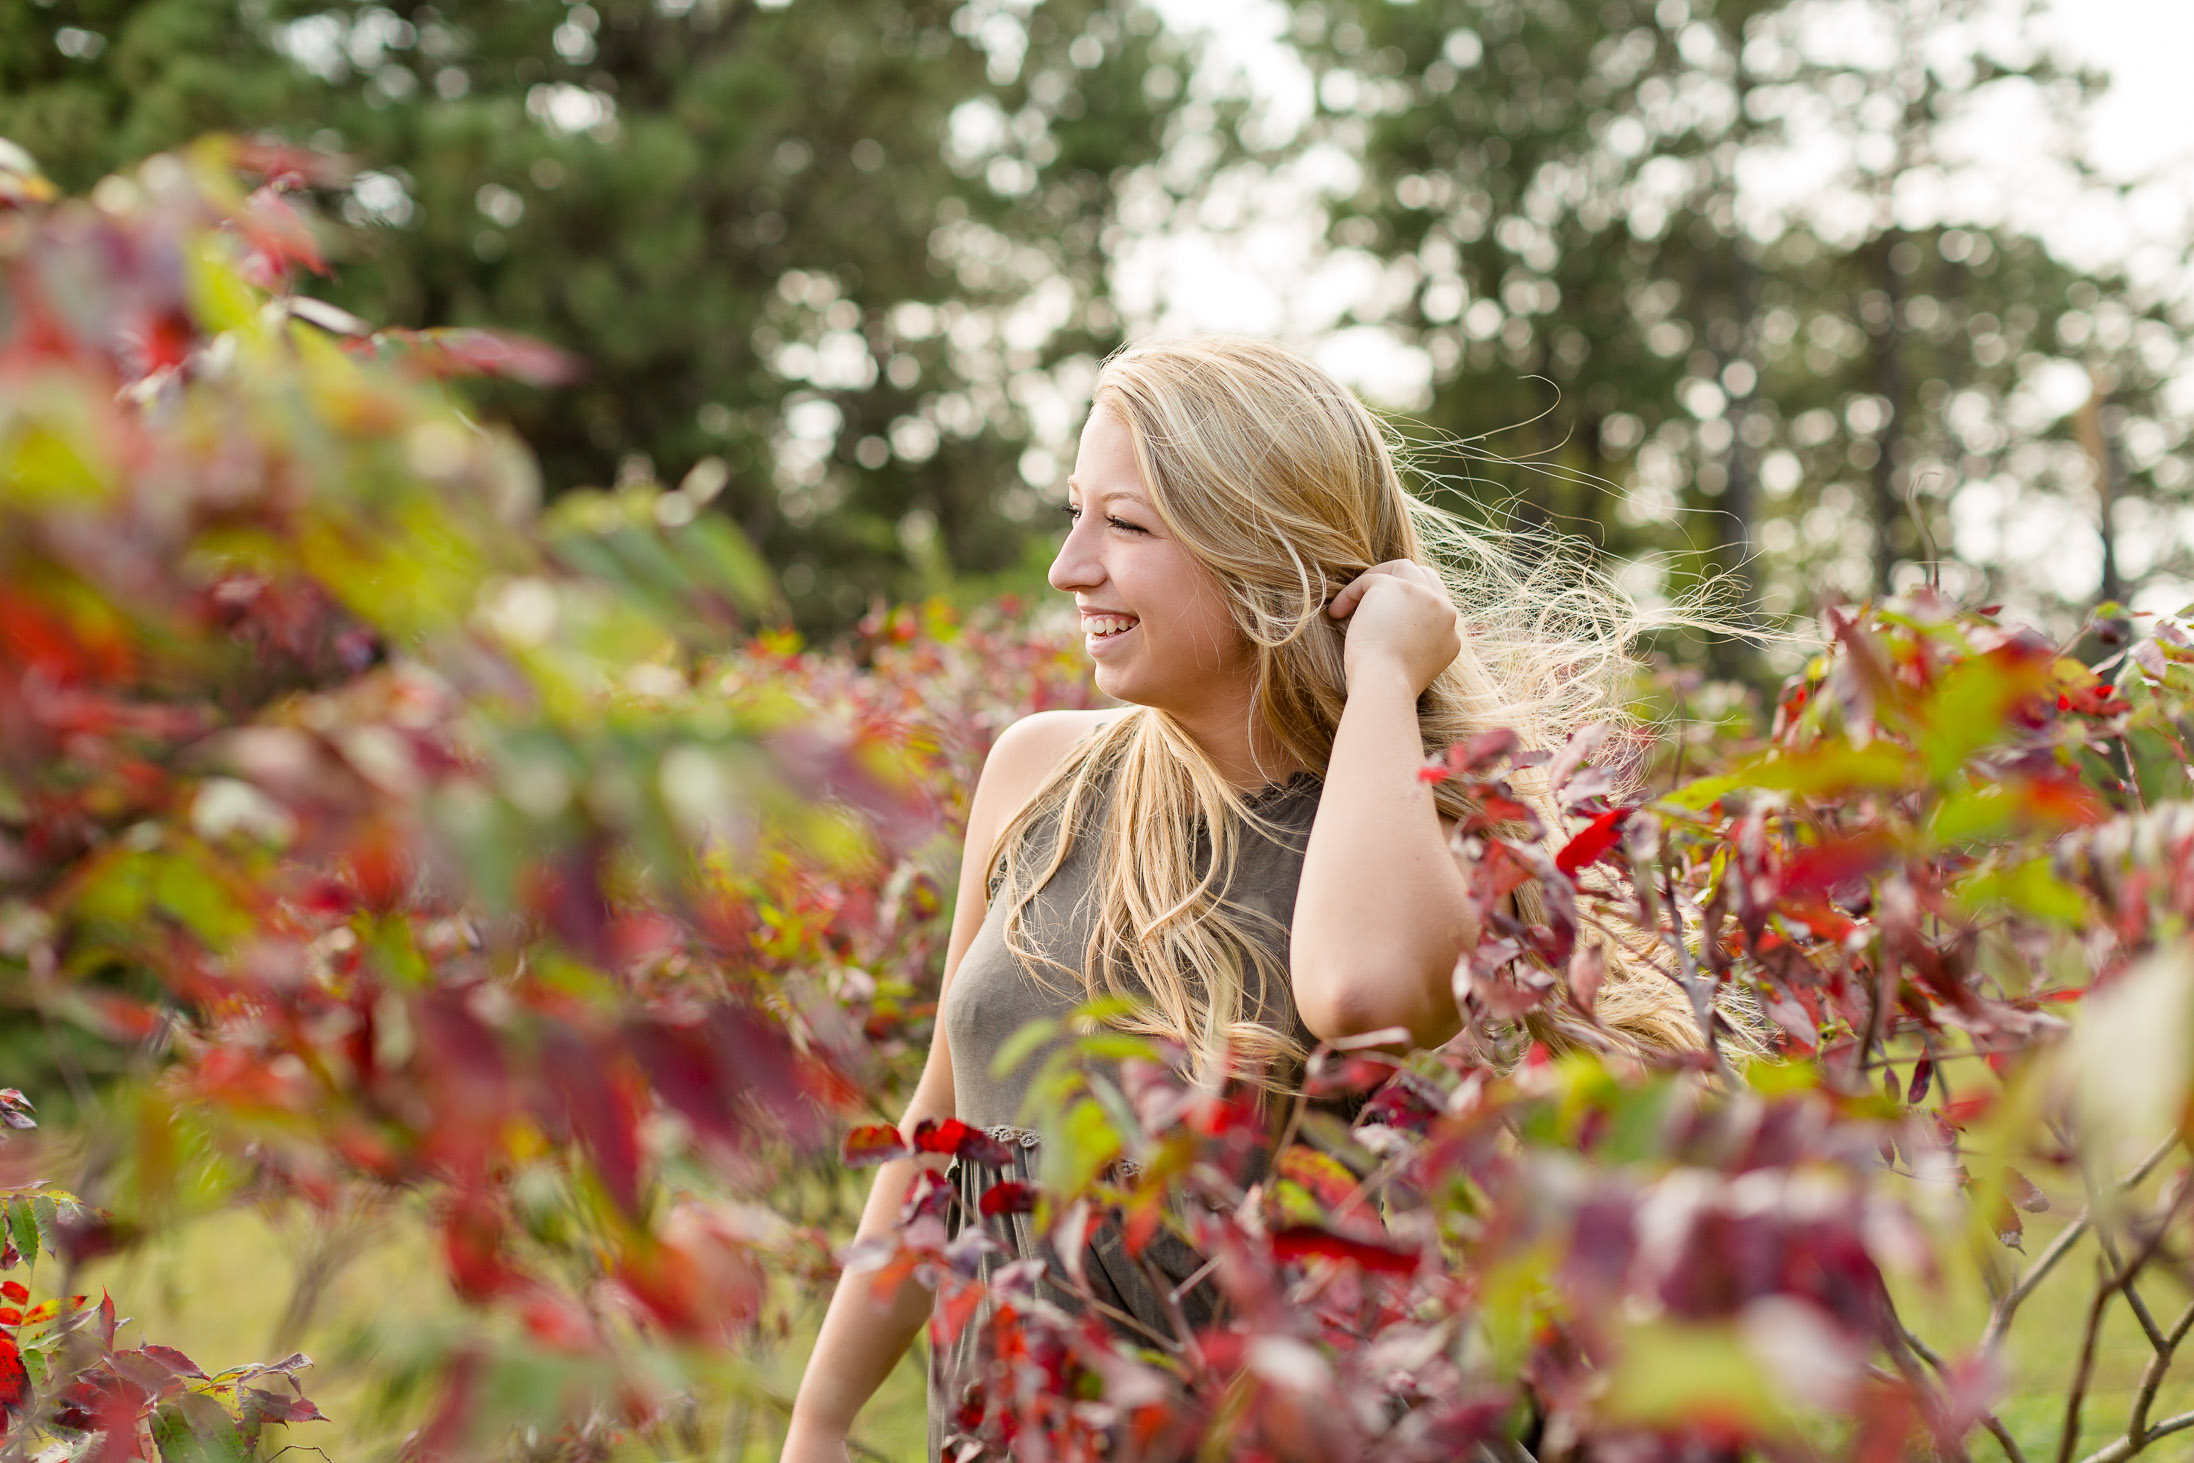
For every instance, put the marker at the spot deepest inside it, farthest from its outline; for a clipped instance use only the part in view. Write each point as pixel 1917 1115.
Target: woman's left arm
pixel 1383 911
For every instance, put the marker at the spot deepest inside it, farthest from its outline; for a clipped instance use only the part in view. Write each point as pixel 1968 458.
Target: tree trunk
pixel 2103 453
pixel 1887 339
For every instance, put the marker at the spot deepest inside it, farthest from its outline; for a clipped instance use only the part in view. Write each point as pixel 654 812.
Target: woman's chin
pixel 1117 682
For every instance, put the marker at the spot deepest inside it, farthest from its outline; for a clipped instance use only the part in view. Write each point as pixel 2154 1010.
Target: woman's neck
pixel 1239 744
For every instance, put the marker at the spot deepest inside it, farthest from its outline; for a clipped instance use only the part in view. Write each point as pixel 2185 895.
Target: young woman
pixel 1245 850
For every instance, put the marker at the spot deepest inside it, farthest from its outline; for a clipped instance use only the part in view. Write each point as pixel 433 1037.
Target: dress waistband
pixel 1027 1138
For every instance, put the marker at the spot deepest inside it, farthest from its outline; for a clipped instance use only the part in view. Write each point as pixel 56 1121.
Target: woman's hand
pixel 1399 617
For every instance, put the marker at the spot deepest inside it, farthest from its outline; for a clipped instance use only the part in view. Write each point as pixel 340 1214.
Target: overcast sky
pixel 1259 268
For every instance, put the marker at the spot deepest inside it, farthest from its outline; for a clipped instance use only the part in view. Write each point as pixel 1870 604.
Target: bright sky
pixel 1254 260
pixel 1257 266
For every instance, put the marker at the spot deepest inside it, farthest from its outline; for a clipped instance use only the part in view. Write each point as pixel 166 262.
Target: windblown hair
pixel 1285 486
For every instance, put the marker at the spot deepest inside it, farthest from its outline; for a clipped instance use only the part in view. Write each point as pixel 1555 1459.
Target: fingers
pixel 1408 571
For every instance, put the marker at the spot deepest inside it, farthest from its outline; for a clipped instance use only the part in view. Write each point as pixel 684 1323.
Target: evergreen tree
pixel 1568 189
pixel 836 246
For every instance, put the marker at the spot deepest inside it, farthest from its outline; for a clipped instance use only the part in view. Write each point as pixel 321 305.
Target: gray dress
pixel 993 995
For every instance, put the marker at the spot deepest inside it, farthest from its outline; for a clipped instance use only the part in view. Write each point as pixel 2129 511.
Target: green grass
pixel 2043 1348
pixel 218 1290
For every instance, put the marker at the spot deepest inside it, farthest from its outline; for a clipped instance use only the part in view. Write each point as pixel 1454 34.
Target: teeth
pixel 1106 624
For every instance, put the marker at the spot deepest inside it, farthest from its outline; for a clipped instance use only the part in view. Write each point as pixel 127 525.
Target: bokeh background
pixel 1821 296
pixel 1829 295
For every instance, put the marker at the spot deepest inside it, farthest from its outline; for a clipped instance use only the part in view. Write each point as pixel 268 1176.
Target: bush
pixel 392 839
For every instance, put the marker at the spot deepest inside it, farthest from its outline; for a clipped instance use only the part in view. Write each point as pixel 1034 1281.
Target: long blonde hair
pixel 1284 485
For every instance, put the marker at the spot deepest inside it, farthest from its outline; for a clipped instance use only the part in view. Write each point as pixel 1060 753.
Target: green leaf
pixel 196 1429
pixel 181 887
pixel 1970 707
pixel 1023 1044
pixel 1081 1147
pixel 219 299
pixel 46 467
pixel 719 557
pixel 1972 813
pixel 1833 767
pixel 47 1214
pixel 2032 888
pixel 1116 1046
pixel 23 1228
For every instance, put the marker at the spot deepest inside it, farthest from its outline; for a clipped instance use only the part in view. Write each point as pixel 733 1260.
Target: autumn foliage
pixel 406 839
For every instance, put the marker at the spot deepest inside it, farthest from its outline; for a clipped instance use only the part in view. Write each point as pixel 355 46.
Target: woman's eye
pixel 1124 526
pixel 1074 514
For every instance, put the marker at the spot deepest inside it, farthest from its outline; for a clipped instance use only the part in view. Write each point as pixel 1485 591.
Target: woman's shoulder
pixel 1030 750
pixel 1023 758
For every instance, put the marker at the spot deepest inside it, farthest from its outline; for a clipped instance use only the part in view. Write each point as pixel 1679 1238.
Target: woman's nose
pixel 1076 568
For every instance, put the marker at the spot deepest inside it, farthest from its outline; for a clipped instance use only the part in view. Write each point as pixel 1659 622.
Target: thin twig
pixel 1989 1420
pixel 1694 984
pixel 2000 1317
pixel 2152 1376
pixel 2103 1242
pixel 2003 1437
pixel 2125 1448
pixel 2132 774
pixel 2084 1372
pixel 2133 1297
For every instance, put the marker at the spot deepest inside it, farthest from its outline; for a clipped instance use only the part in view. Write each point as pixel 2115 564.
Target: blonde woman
pixel 1245 849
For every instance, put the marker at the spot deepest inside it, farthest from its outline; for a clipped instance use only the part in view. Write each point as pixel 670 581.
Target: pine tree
pixel 835 246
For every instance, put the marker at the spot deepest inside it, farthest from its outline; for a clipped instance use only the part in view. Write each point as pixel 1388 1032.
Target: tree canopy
pixel 828 252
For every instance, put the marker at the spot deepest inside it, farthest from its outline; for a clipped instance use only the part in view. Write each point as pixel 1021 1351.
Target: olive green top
pixel 993 995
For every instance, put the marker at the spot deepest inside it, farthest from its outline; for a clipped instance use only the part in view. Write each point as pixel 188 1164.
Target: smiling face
pixel 1153 617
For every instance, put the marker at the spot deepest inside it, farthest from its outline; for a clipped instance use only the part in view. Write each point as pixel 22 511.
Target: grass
pixel 221 1289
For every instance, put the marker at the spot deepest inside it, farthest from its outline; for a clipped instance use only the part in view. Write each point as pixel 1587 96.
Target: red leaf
pixel 1923 1073
pixel 1482 750
pixel 1320 1174
pixel 14 1381
pixel 15 1290
pixel 2010 1229
pixel 1010 1197
pixel 443 353
pixel 600 1108
pixel 1303 1241
pixel 173 1360
pixel 1826 865
pixel 2020 1190
pixel 1580 746
pixel 961 1141
pixel 929 1194
pixel 274 1407
pixel 556 1323
pixel 874 1143
pixel 1960 1111
pixel 1495 810
pixel 279 234
pixel 1592 845
pixel 280 162
pixel 931 1136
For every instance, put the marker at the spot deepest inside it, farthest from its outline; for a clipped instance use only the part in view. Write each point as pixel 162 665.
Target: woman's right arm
pixel 863 1334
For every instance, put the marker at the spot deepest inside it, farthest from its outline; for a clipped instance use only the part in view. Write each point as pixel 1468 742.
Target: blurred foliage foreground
pixel 384 841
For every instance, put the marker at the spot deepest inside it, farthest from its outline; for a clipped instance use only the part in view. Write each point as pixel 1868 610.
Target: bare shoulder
pixel 1031 749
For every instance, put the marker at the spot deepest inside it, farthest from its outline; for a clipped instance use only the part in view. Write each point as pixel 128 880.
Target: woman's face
pixel 1153 618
